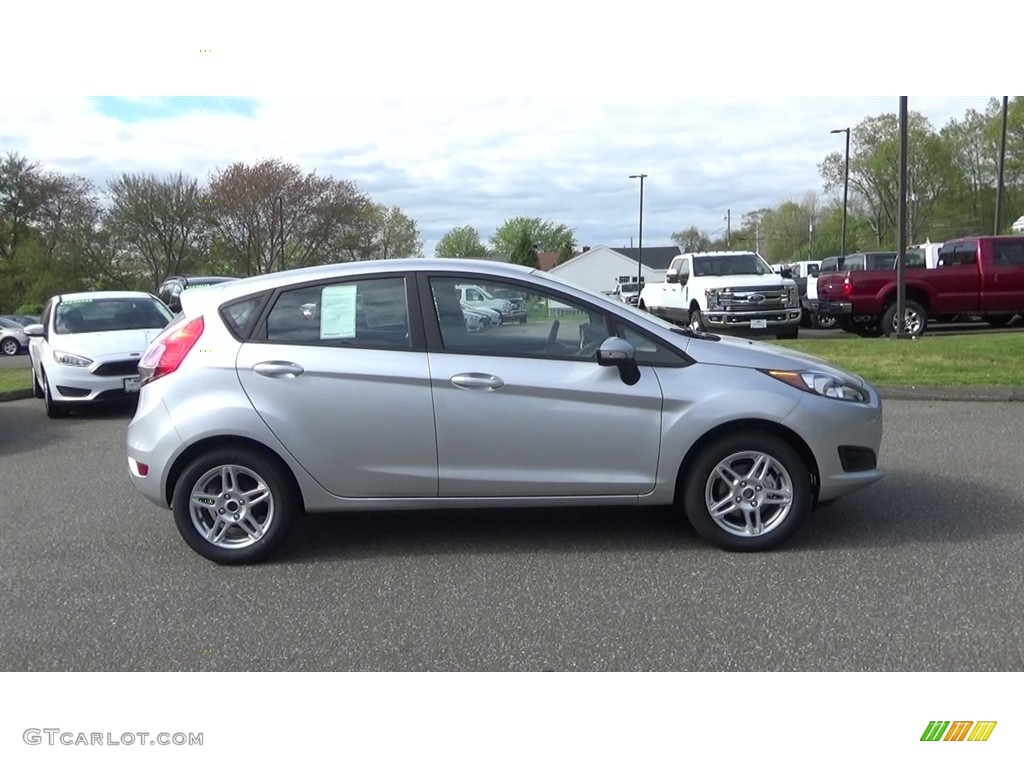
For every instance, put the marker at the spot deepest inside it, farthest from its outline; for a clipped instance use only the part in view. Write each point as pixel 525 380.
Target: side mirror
pixel 671 277
pixel 34 330
pixel 622 354
pixel 786 272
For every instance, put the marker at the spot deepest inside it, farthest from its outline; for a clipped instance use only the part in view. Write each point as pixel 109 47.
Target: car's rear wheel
pixel 747 492
pixel 234 506
pixel 54 409
pixel 10 347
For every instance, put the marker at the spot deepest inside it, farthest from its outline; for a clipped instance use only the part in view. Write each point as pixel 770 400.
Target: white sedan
pixel 88 346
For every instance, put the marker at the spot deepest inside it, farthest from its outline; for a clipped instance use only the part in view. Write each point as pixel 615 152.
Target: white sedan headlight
pixel 820 383
pixel 66 358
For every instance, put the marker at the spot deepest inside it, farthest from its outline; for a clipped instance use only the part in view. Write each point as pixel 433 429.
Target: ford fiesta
pixel 87 347
pixel 357 387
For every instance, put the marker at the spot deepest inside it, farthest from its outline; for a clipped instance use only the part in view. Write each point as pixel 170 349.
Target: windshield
pixel 734 264
pixel 110 314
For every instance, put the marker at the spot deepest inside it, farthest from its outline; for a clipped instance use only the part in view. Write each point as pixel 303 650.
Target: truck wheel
pixel 696 321
pixel 915 320
pixel 824 322
pixel 747 492
pixel 792 333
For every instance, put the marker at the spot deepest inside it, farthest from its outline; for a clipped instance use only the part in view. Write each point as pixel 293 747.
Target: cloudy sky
pixel 582 112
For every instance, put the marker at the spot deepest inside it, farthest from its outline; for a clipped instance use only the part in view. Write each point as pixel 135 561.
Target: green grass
pixel 15 378
pixel 980 360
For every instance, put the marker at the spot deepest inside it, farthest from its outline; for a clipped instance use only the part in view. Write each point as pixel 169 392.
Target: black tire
pixel 36 389
pixel 696 322
pixel 54 410
pixel 783 520
pixel 10 347
pixel 522 321
pixel 824 321
pixel 273 518
pixel 913 311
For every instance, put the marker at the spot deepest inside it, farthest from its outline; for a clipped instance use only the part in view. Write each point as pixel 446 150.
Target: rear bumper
pixel 835 307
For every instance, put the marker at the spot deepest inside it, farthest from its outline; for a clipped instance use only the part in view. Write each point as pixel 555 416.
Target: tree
pixel 323 219
pixel 461 243
pixel 874 172
pixel 544 234
pixel 397 234
pixel 692 240
pixel 159 227
pixel 524 251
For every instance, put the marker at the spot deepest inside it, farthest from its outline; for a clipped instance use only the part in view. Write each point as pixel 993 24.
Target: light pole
pixel 280 225
pixel 1002 163
pixel 640 251
pixel 846 184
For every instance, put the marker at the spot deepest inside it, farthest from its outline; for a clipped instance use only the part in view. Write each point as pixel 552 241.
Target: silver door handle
pixel 477 381
pixel 278 369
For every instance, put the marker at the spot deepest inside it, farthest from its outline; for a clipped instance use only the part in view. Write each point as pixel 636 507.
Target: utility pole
pixel 640 236
pixel 728 229
pixel 1002 165
pixel 901 231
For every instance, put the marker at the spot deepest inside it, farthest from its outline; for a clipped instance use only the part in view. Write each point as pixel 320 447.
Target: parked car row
pixel 359 386
pixel 980 277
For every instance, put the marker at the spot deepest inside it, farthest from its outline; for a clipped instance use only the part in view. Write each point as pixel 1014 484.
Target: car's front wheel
pixel 10 347
pixel 747 492
pixel 234 506
pixel 54 409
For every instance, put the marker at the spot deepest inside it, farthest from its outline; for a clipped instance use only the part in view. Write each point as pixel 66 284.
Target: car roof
pixel 200 279
pixel 247 285
pixel 104 295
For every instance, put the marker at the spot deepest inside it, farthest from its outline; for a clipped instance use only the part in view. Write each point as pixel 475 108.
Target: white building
pixel 601 268
pixel 1018 225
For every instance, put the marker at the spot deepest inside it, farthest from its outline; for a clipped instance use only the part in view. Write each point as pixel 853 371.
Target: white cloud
pixel 558 144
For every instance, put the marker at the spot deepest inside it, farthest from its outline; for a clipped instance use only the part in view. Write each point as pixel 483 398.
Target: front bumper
pixel 71 384
pixel 751 323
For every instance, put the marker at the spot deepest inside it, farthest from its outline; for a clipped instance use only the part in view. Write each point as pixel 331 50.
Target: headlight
pixel 66 358
pixel 713 296
pixel 508 306
pixel 824 384
pixel 794 296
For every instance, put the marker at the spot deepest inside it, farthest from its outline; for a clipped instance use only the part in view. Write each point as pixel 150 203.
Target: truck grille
pixel 739 299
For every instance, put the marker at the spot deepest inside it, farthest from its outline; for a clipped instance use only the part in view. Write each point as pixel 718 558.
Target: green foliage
pixel 461 243
pixel 523 251
pixel 546 235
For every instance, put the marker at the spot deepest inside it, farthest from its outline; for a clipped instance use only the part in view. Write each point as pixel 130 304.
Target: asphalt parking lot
pixel 920 572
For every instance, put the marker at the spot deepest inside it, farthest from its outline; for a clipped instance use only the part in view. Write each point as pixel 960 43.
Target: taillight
pixel 847 287
pixel 166 354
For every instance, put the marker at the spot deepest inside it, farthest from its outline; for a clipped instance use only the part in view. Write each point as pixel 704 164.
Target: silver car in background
pixel 253 412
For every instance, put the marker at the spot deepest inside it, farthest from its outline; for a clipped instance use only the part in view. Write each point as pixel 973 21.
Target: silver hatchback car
pixel 357 386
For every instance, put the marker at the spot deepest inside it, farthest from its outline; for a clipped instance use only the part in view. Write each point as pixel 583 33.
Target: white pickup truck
pixel 733 292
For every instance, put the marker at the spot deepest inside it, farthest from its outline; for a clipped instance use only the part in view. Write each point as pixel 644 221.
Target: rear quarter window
pixel 240 316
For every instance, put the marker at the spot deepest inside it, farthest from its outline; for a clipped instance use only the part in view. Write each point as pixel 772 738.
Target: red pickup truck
pixel 980 276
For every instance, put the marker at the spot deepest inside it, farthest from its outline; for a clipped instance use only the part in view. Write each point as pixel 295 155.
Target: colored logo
pixel 958 730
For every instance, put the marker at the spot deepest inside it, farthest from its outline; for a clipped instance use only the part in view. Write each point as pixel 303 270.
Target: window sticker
pixel 338 312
